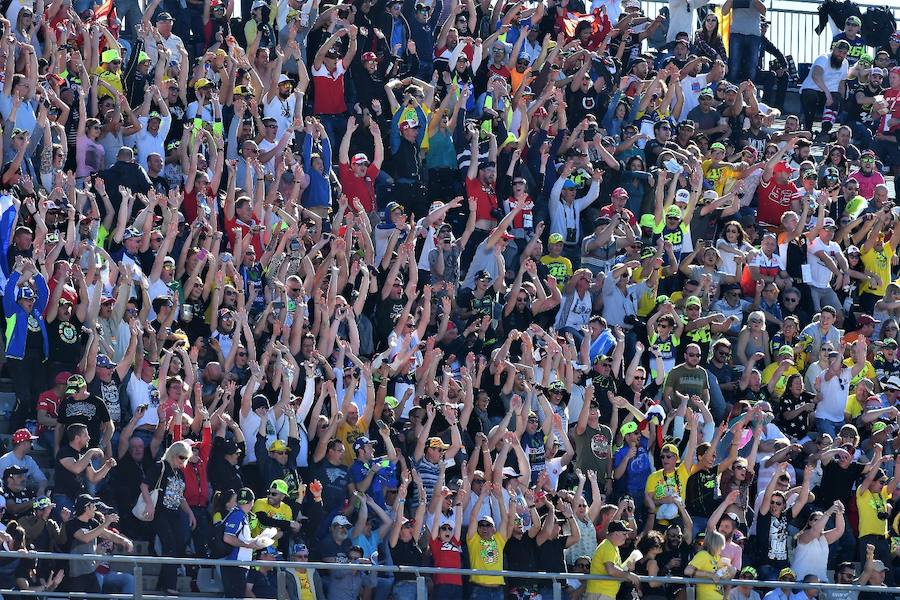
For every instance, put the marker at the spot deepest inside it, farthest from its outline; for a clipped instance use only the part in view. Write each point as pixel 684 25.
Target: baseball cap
pixel 83 501
pixel 408 124
pixel 692 301
pixel 246 496
pixel 488 520
pixel 367 56
pixel 359 159
pixel 555 238
pixel 878 426
pixel 630 427
pixel 132 232
pixel 164 16
pixel 109 56
pixel 230 447
pixel 671 449
pixel 391 401
pixel 75 383
pixel 782 167
pixel 568 184
pixel 42 502
pixel 202 83
pixel 22 435
pixel 25 292
pixel 786 351
pixel 618 192
pixel 482 275
pixel 618 527
pixel 14 470
pixel 277 446
pixel 841 45
pixel 392 206
pixel 340 520
pixel 853 20
pixel 673 211
pixel 279 485
pixel 360 442
pixel 62 377
pixel 786 572
pixel 436 442
pixel 864 320
pixel 104 362
pixel 828 223
pixel 878 565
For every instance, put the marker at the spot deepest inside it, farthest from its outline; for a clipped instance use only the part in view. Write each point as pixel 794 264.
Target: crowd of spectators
pixel 528 286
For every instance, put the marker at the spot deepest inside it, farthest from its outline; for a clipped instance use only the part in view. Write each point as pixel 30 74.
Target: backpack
pixel 218 548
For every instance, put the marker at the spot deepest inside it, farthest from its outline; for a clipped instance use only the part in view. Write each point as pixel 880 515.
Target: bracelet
pixel 402 501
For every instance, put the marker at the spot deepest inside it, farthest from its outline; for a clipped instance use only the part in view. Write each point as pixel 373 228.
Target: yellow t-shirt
pixel 769 371
pixel 660 485
pixel 486 555
pixel 718 176
pixel 304 585
pixel 113 79
pixel 853 408
pixel 867 372
pixel 868 505
pixel 704 561
pixel 282 512
pixel 348 433
pixel 560 267
pixel 606 552
pixel 877 263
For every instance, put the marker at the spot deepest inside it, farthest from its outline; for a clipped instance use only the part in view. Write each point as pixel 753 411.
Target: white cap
pixel 682 196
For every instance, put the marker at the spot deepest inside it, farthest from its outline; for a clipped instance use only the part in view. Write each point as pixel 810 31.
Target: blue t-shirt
pixel 235 521
pixel 359 470
pixel 638 469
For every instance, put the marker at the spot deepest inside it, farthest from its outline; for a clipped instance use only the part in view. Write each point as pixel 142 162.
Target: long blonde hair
pixel 179 448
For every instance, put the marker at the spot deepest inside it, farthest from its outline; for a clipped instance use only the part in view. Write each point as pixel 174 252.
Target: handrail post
pixel 281 583
pixel 138 582
pixel 690 592
pixel 421 588
pixel 557 590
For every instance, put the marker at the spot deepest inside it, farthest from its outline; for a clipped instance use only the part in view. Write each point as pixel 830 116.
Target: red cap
pixel 896 70
pixel 367 56
pixel 783 167
pixel 62 377
pixel 359 158
pixel 408 124
pixel 619 192
pixel 22 435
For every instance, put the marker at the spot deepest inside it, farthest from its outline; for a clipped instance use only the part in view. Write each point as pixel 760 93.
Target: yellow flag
pixel 724 27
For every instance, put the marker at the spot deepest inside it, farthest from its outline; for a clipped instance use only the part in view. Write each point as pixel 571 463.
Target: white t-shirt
pixel 820 274
pixel 148 143
pixel 691 87
pixel 833 396
pixel 831 76
pixel 282 111
pixel 139 392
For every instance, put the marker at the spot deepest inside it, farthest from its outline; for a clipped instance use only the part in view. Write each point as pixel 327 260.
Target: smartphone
pixel 380 424
pixel 278 305
pixel 202 254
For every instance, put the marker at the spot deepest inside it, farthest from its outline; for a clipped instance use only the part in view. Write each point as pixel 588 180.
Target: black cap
pixel 617 526
pixel 164 16
pixel 230 447
pixel 481 275
pixel 14 470
pixel 246 496
pixel 82 502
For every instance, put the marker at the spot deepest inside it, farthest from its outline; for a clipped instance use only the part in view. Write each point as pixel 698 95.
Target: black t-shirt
pixel 91 412
pixel 34 342
pixel 110 392
pixel 520 555
pixel 169 482
pixel 550 555
pixel 195 326
pixel 407 554
pixel 64 339
pixel 795 428
pixel 19 497
pixel 481 307
pixel 66 482
pixel 837 483
pixel 264 585
pixel 160 184
pixel 700 492
pixel 327 548
pixel 386 315
pixel 334 480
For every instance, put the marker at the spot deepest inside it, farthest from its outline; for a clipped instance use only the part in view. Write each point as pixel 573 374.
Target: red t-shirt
pixel 607 211
pixel 47 401
pixel 773 201
pixel 190 205
pixel 892 97
pixel 362 188
pixel 485 197
pixel 329 87
pixel 245 229
pixel 447 555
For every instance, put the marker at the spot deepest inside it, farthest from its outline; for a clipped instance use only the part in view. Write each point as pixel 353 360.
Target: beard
pixel 836 62
pixel 340 536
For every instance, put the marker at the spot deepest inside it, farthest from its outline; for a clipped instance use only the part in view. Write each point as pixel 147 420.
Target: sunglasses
pixel 183 457
pixel 280 452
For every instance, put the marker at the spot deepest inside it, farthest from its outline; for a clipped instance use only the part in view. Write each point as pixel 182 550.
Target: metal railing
pixel 284 568
pixel 793 29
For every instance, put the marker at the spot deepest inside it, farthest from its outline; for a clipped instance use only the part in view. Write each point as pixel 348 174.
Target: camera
pixel 883 515
pixel 497 213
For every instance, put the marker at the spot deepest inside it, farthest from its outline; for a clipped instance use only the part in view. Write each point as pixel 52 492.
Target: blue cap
pixel 299 549
pixel 25 292
pixel 271 551
pixel 105 362
pixel 360 442
pixel 568 184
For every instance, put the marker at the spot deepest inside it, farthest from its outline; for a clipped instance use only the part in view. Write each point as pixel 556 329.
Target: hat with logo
pixel 828 223
pixel 277 446
pixel 618 527
pixel 408 124
pixel 555 238
pixel 41 503
pixel 863 320
pixel 83 501
pixel 246 496
pixel 841 45
pixel 630 427
pixel 692 301
pixel 367 56
pixel 673 211
pixel 787 572
pixel 359 159
pixel 360 442
pixel 201 83
pixel 280 486
pixel 340 520
pixel 853 20
pixel 104 362
pixel 878 426
pixel 22 435
pixel 74 384
pixel 13 470
pixel 26 293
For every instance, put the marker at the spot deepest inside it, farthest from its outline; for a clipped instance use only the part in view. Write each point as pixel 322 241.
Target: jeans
pixel 405 590
pixel 774 88
pixel 576 334
pixel 743 56
pixel 716 399
pixel 116 583
pixel 829 427
pixel 480 592
pixel 823 297
pixel 202 532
